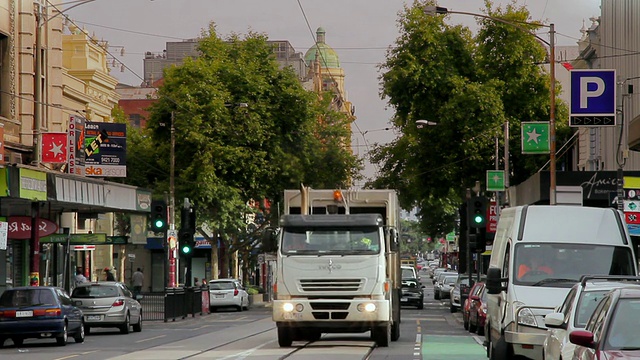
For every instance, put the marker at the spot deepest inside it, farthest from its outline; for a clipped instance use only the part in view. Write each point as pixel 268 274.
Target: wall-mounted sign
pixel 106 150
pixel 33 185
pixel 76 145
pixel 20 227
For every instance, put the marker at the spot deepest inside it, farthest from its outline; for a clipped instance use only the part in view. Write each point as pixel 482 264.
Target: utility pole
pixel 37 83
pixel 172 246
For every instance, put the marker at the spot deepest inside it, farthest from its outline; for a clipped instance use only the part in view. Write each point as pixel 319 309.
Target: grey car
pixel 108 304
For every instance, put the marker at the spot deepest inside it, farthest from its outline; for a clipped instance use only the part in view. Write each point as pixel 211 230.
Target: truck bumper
pixel 331 314
pixel 527 344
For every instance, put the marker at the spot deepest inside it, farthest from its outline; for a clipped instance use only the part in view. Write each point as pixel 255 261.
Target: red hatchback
pixel 612 330
pixel 478 311
pixel 469 303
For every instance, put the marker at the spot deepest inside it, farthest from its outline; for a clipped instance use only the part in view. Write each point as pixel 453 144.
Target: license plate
pixel 293 316
pixel 94 317
pixel 28 313
pixel 219 296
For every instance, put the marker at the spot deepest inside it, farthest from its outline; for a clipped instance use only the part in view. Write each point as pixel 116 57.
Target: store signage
pixel 20 227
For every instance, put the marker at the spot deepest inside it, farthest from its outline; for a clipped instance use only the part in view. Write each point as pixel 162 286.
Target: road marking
pixel 72 356
pixel 417 346
pixel 244 354
pixel 153 338
pixel 452 347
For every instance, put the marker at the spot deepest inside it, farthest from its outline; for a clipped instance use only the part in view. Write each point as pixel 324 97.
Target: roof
pixel 327 56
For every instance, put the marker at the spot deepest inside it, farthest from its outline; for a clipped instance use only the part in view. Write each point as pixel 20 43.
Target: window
pixel 5 81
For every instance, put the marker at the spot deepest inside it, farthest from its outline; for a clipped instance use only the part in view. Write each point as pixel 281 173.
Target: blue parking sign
pixel 593 97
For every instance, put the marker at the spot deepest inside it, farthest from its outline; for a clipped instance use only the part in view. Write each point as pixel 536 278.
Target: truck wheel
pixel 313 335
pixel 395 331
pixel 284 337
pixel 381 335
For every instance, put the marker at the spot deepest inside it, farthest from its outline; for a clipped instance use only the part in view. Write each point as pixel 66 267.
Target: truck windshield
pixel 561 265
pixel 363 240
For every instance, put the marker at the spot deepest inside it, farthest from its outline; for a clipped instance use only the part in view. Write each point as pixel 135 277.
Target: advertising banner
pixel 76 144
pixel 108 145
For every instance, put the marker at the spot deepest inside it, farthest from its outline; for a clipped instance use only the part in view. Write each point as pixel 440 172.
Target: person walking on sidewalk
pixel 138 282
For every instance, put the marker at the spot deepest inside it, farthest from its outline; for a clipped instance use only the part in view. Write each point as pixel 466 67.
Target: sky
pixel 360 31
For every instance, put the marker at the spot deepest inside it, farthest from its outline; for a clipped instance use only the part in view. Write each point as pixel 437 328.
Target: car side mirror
pixel 269 240
pixel 139 297
pixel 554 320
pixel 494 281
pixel 582 338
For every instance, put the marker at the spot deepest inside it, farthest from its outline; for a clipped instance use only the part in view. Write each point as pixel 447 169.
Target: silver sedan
pixel 228 293
pixel 108 304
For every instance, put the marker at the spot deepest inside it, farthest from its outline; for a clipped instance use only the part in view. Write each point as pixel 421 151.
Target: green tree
pixel 227 152
pixel 470 86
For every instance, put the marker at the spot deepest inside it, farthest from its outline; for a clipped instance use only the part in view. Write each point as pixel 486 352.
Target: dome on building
pixel 328 56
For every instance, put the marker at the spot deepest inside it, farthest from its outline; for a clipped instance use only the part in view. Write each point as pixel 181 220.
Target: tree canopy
pixel 470 86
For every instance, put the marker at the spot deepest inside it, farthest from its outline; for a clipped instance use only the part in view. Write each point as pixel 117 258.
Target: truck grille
pixel 330 285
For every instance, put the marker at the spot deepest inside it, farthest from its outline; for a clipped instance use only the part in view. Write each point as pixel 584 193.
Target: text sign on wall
pixel 107 157
pixel 76 145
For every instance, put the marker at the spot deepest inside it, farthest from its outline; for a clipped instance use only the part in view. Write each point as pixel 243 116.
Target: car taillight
pixel 53 312
pixel 235 292
pixel 118 302
pixel 8 314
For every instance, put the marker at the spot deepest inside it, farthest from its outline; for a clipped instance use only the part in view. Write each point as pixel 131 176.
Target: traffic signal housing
pixel 158 215
pixel 185 239
pixel 477 212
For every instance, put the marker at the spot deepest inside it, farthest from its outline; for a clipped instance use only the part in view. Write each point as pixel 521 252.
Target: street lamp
pixel 422 123
pixel 435 10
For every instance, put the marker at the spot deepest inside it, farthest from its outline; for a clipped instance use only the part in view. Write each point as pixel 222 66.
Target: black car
pixel 412 293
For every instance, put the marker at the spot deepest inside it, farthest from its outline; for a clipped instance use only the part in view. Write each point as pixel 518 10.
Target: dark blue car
pixel 39 312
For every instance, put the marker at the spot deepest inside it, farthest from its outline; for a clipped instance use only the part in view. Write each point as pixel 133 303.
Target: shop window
pixel 5 80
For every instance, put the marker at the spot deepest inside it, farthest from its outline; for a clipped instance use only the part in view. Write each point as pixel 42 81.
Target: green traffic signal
pixel 159 224
pixel 478 219
pixel 186 249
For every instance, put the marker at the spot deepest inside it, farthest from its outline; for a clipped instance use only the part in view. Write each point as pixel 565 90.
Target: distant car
pixel 444 291
pixel 39 312
pixel 412 293
pixel 574 312
pixel 227 293
pixel 459 293
pixel 468 305
pixel 612 330
pixel 478 311
pixel 108 304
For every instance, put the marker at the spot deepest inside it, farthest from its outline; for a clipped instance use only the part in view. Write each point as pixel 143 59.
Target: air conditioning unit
pixel 15 158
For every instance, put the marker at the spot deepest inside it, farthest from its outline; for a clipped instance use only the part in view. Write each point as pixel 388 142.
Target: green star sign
pixel 535 137
pixel 495 180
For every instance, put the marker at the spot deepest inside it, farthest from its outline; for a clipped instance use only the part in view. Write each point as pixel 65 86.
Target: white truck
pixel 338 267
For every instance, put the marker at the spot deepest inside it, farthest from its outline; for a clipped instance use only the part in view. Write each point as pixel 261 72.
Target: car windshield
pixel 95 291
pixel 347 241
pixel 221 285
pixel 408 274
pixel 450 280
pixel 586 304
pixel 562 264
pixel 27 297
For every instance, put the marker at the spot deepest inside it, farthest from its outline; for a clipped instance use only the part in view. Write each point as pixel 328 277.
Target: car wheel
pixel 62 338
pixel 17 341
pixel 436 295
pixel 124 328
pixel 212 309
pixel 465 322
pixel 381 335
pixel 239 308
pixel 420 304
pixel 87 330
pixel 137 327
pixel 480 330
pixel 452 308
pixel 79 335
pixel 472 327
pixel 284 337
pixel 2 340
pixel 247 306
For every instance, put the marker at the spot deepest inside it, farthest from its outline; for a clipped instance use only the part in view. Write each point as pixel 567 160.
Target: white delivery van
pixel 539 252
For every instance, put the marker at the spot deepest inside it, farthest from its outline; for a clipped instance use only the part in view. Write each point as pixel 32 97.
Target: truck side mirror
pixel 393 240
pixel 494 281
pixel 269 240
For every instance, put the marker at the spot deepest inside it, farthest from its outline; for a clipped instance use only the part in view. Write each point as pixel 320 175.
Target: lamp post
pixel 434 10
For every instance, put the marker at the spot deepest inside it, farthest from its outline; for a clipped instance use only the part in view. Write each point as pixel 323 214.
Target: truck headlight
pixel 525 316
pixel 287 307
pixel 368 307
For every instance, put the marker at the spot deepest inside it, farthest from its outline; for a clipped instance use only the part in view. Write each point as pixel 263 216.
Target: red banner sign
pixel 632 217
pixel 492 216
pixel 20 227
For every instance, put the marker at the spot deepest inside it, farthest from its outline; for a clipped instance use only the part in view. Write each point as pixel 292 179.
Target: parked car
pixel 108 304
pixel 612 330
pixel 436 272
pixel 39 312
pixel 447 285
pixel 227 293
pixel 412 293
pixel 437 284
pixel 574 312
pixel 475 290
pixel 459 293
pixel 478 311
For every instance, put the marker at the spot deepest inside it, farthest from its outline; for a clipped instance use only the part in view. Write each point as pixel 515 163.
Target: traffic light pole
pixel 172 253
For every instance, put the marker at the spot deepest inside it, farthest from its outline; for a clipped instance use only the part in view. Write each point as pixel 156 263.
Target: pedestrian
pixel 80 278
pixel 109 275
pixel 196 282
pixel 138 282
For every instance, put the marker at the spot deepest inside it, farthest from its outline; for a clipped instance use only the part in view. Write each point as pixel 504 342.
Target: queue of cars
pixel 47 312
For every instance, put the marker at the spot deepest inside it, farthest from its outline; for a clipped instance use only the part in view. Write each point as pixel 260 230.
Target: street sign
pixel 631 206
pixel 593 98
pixel 495 180
pixel 451 236
pixel 632 217
pixel 535 137
pixel 84 247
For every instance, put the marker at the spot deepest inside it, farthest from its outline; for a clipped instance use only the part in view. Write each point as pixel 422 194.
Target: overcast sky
pixel 359 30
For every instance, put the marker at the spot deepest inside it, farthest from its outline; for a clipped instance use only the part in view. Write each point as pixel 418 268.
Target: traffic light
pixel 158 215
pixel 478 241
pixel 186 243
pixel 477 212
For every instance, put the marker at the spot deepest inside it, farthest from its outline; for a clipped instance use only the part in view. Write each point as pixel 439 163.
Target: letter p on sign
pixel 593 92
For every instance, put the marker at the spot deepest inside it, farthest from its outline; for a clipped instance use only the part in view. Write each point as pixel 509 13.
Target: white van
pixel 539 252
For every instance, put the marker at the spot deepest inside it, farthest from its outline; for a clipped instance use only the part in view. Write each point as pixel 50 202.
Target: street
pixel 429 334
